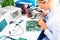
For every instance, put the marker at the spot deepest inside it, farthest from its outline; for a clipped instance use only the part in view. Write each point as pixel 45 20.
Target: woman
pixel 52 26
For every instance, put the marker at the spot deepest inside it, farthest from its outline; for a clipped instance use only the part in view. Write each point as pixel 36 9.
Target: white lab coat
pixel 53 24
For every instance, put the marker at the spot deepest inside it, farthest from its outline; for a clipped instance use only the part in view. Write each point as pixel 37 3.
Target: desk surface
pixel 28 35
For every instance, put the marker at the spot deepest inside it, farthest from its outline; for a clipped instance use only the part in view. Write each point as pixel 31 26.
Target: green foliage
pixel 7 3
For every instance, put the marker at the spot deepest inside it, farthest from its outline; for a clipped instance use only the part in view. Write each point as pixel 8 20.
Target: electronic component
pixel 11 22
pixel 14 11
pixel 35 13
pixel 4 19
pixel 22 39
pixel 7 26
pixel 20 21
pixel 30 2
pixel 5 14
pixel 38 13
pixel 32 26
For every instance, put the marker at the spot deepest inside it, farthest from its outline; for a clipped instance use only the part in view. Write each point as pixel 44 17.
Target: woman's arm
pixel 46 30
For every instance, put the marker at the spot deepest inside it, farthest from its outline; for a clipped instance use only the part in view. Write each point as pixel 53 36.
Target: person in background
pixel 51 29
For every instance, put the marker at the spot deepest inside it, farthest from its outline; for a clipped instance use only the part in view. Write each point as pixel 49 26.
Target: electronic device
pixel 32 25
pixel 5 18
pixel 7 29
pixel 14 11
pixel 22 3
pixel 4 14
pixel 22 39
pixel 36 13
pixel 30 2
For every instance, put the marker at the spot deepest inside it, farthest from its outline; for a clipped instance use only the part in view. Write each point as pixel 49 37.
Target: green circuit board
pixel 22 39
pixel 32 26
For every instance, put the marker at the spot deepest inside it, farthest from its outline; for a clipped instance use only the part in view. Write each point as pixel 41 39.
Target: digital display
pixel 3 24
pixel 15 14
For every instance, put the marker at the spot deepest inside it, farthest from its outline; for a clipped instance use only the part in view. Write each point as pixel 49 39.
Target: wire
pixel 17 30
pixel 14 33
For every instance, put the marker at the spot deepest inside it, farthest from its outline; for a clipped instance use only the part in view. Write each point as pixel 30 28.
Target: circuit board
pixel 32 26
pixel 22 39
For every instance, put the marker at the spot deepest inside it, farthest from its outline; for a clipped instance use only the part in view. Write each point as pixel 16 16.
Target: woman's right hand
pixel 42 24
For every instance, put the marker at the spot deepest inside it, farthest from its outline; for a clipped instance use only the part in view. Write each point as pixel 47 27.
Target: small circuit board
pixel 32 25
pixel 22 39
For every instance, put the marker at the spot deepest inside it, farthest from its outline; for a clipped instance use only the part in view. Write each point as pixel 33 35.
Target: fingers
pixel 40 22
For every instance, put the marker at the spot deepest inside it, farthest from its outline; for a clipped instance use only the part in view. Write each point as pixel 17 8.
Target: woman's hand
pixel 42 24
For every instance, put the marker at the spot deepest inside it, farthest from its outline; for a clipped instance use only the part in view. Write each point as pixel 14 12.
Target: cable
pixel 17 30
pixel 14 33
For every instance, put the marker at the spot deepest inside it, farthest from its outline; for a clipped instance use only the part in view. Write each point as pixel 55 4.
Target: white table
pixel 28 35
